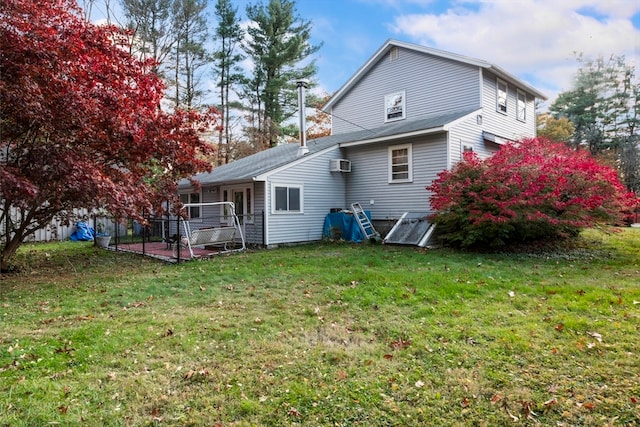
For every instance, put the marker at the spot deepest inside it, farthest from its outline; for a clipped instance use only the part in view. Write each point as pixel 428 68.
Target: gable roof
pixel 389 44
pixel 255 166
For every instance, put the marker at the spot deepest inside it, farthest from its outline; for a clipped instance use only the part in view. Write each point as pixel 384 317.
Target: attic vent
pixel 340 165
pixel 393 53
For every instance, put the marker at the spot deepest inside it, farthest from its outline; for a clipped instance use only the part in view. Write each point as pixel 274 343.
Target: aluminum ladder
pixel 363 221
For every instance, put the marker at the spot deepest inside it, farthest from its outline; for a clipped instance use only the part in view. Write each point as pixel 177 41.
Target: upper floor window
pixel 286 198
pixel 400 163
pixel 189 198
pixel 394 106
pixel 501 93
pixel 521 106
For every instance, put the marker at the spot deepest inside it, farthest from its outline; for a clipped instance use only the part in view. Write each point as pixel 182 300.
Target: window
pixel 225 208
pixel 394 106
pixel 400 169
pixel 521 106
pixel 501 90
pixel 186 198
pixel 286 199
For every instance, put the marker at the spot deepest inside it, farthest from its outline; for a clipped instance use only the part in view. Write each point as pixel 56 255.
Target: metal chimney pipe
pixel 302 85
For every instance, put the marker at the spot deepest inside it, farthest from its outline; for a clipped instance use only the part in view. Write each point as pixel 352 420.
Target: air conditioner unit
pixel 340 165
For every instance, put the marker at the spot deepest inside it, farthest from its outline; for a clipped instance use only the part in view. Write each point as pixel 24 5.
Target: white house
pixel 408 113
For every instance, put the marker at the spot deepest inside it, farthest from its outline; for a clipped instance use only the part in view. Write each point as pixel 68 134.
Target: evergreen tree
pixel 172 33
pixel 279 48
pixel 151 22
pixel 604 108
pixel 226 59
pixel 189 56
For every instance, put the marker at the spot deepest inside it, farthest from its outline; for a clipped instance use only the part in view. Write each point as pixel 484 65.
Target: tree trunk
pixel 8 251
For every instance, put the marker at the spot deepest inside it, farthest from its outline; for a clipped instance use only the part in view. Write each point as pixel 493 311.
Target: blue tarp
pixel 82 232
pixel 343 225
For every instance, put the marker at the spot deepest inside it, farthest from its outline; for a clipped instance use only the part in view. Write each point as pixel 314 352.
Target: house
pixel 408 113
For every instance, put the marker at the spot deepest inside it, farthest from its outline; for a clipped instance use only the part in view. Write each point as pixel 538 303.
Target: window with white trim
pixel 501 96
pixel 400 163
pixel 521 105
pixel 286 198
pixel 194 211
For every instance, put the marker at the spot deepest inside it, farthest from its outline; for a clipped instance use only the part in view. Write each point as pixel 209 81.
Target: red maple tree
pixel 81 124
pixel 530 190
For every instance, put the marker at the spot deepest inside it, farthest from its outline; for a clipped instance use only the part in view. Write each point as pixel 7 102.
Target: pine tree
pixel 226 59
pixel 278 44
pixel 604 107
pixel 189 54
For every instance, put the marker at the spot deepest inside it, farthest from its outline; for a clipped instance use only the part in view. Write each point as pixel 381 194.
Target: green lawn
pixel 324 335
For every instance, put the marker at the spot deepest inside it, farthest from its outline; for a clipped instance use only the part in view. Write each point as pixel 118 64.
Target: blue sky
pixel 536 40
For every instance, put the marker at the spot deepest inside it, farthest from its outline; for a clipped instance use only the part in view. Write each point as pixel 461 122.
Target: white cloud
pixel 532 37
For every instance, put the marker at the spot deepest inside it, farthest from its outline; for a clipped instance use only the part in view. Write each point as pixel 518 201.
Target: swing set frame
pixel 225 236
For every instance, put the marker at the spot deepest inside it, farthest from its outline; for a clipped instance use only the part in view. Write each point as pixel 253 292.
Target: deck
pixel 164 251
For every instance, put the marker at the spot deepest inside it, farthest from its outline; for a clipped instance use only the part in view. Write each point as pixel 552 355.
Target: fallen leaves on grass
pixel 65 349
pixel 197 374
pixel 595 335
pixel 527 408
pixel 400 344
pixel 295 413
pixel 587 405
pixel 465 402
pixel 549 404
pixel 135 304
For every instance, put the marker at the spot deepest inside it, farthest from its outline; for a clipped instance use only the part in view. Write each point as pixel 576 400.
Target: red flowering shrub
pixel 531 190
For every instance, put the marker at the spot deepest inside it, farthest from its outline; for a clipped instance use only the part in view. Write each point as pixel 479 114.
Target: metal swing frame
pixel 223 235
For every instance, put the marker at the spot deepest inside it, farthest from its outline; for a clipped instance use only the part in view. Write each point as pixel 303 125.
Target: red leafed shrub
pixel 530 190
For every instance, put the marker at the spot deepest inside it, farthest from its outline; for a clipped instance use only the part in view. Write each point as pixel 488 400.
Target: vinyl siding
pixel 506 125
pixel 368 179
pixel 467 132
pixel 322 190
pixel 431 84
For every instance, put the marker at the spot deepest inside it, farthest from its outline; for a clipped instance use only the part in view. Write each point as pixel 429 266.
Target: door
pixel 238 200
pixel 242 197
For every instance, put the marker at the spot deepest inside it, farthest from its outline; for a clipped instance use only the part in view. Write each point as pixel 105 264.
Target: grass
pixel 324 335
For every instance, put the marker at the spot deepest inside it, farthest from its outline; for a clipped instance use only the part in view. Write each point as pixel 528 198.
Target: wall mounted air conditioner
pixel 340 165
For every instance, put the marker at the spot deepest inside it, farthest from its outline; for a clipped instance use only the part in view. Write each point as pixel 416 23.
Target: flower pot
pixel 103 241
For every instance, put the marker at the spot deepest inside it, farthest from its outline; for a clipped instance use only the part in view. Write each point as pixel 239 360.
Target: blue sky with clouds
pixel 535 40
